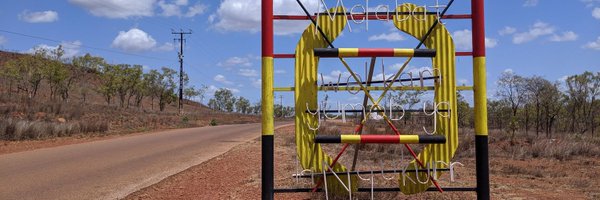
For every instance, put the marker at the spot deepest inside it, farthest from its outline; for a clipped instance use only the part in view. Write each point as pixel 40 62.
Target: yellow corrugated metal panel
pixel 440 40
pixel 310 154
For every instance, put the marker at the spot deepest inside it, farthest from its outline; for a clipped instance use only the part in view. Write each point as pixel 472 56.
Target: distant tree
pixel 498 113
pixel 89 63
pixel 191 92
pixel 242 105
pixel 82 64
pixel 535 87
pixel 582 92
pixel 109 77
pixel 166 89
pixel 464 111
pixel 54 69
pixel 551 100
pixel 223 100
pixel 256 108
pixel 26 73
pixel 151 82
pixel 511 88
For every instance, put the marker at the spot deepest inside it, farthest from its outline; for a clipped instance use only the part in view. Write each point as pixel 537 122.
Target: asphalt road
pixel 112 169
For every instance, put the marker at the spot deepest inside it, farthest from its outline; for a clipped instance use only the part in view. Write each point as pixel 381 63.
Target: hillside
pixel 84 110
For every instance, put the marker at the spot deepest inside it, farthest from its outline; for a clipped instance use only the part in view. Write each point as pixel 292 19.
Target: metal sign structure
pixel 441 143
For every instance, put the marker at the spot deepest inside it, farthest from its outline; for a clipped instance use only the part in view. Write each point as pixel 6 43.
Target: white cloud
pixel 530 3
pixel 490 42
pixel 248 72
pixel 595 45
pixel 590 3
pixel 538 29
pixel 134 40
pixel 463 40
pixel 167 46
pixel 507 30
pixel 257 83
pixel 71 48
pixel 596 13
pixel 508 70
pixel 176 8
pixel 170 9
pixel 463 81
pixel 244 15
pixel 565 36
pixel 39 17
pixel 212 89
pixel 117 8
pixel 280 71
pixel 197 9
pixel 333 76
pixel 236 61
pixel 222 79
pixel 391 37
pixel 409 69
pixel 2 40
pixel 562 79
pixel 381 76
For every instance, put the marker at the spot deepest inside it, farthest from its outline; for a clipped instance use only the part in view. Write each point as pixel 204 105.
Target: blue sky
pixel 549 38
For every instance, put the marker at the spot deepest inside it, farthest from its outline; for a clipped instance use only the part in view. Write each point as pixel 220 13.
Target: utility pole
pixel 180 55
pixel 281 102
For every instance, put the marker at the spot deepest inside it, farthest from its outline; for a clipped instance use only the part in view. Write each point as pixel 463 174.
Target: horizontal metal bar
pixel 396 189
pixel 291 55
pixel 388 171
pixel 383 16
pixel 464 88
pixel 466 53
pixel 283 55
pixel 375 110
pixel 370 88
pixel 376 82
pixel 373 52
pixel 380 139
pixel 356 88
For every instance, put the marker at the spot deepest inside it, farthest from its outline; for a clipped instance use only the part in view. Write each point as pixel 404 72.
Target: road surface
pixel 112 169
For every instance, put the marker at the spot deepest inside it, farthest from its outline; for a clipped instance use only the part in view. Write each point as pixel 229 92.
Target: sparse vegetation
pixel 44 95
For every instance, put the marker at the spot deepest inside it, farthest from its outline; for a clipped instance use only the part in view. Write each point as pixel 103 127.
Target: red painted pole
pixel 480 99
pixel 267 144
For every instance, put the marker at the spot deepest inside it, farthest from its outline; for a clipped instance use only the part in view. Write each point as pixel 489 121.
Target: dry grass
pixel 16 129
pixel 23 119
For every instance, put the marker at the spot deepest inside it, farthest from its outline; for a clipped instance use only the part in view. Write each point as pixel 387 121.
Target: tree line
pixel 124 83
pixel 224 100
pixel 534 104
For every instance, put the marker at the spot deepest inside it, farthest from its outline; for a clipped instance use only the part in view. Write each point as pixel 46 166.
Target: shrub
pixel 213 122
pixel 13 129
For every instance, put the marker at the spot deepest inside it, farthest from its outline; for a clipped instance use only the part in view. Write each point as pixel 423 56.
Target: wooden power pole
pixel 180 55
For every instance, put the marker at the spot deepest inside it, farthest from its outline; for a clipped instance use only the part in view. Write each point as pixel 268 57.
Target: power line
pixel 85 46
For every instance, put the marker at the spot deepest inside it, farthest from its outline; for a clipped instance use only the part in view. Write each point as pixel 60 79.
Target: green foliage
pixel 223 100
pixel 213 122
pixel 536 102
pixel 26 73
pixel 242 105
pixel 191 92
pixel 89 63
pixel 464 111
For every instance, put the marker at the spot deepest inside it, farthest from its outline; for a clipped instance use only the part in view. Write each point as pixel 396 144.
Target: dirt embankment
pixel 236 175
